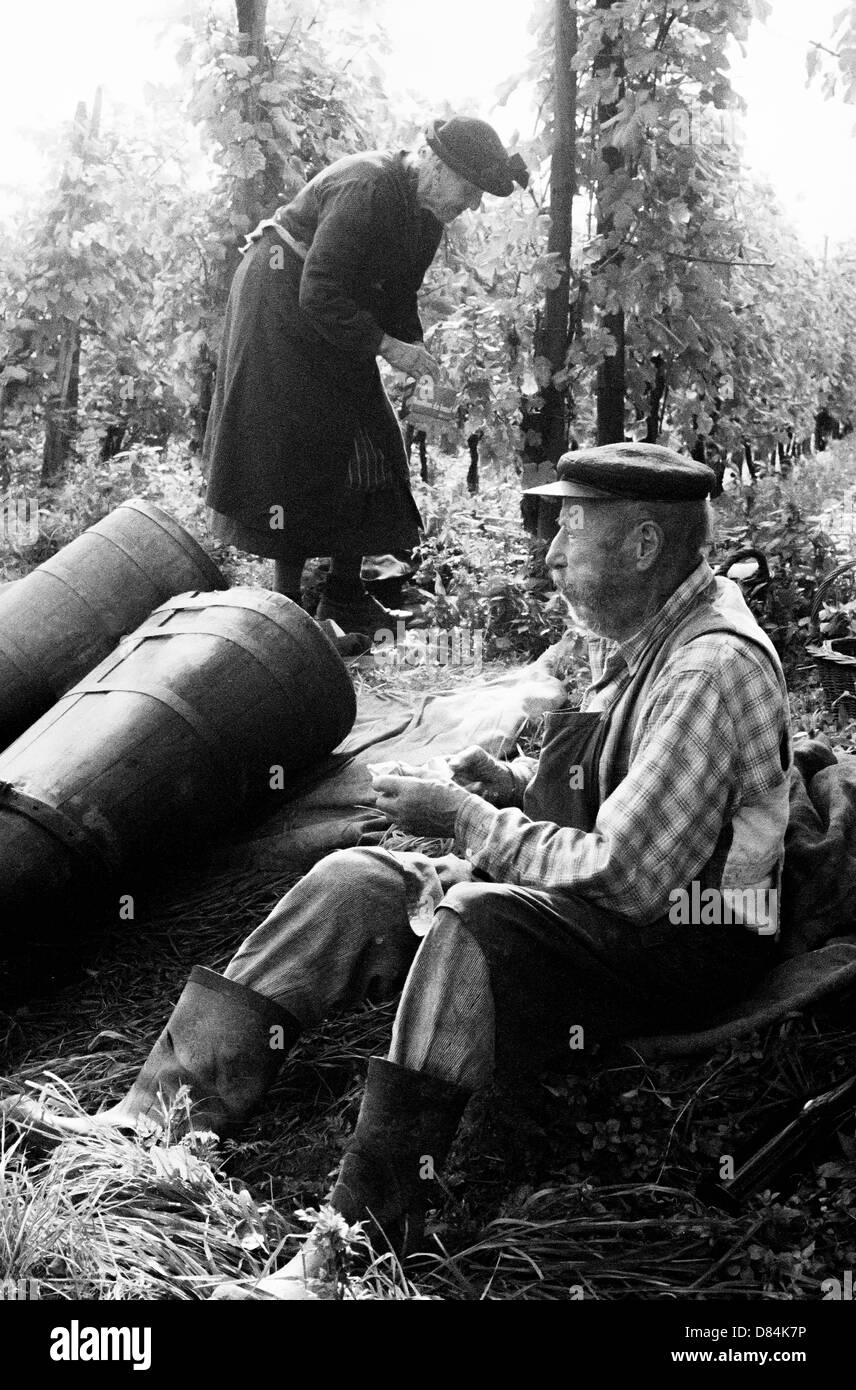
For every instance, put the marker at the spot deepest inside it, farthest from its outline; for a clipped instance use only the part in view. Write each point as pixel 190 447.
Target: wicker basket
pixel 835 659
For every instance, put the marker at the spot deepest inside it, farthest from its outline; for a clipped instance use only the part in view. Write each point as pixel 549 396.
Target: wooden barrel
pixel 170 739
pixel 63 618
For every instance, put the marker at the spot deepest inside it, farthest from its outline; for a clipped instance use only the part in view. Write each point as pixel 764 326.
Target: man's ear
pixel 648 541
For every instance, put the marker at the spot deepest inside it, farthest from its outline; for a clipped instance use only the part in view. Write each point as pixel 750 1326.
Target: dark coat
pixel 297 371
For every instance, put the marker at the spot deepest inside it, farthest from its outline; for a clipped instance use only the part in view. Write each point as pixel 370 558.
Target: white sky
pixel 804 145
pixel 444 50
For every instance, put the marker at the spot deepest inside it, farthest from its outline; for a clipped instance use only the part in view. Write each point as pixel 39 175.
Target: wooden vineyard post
pixel 247 203
pixel 610 374
pixel 552 335
pixel 62 399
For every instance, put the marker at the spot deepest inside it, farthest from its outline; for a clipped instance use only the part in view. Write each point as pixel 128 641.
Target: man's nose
pixel 555 558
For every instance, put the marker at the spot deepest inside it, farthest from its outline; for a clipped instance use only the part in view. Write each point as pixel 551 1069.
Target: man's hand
pixel 478 771
pixel 451 869
pixel 423 808
pixel 413 359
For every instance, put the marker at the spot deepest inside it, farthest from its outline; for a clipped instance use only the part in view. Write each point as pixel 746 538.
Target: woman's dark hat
pixel 474 150
pixel 629 472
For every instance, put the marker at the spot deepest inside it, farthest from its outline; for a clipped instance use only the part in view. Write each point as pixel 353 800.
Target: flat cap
pixel 629 472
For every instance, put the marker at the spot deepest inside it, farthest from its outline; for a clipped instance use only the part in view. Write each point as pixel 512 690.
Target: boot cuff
pixel 387 1078
pixel 267 1008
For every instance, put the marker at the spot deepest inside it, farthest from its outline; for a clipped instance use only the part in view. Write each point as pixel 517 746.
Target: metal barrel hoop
pixel 61 826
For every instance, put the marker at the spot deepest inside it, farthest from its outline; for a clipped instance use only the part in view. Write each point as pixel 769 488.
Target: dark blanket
pixel 819 887
pixel 818 897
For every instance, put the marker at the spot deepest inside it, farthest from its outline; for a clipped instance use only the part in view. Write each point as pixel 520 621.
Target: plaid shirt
pixel 706 750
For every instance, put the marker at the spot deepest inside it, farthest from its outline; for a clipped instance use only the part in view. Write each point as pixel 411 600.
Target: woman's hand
pixel 479 772
pixel 413 359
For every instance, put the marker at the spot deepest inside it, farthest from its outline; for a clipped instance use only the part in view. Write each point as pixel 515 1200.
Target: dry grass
pixel 585 1185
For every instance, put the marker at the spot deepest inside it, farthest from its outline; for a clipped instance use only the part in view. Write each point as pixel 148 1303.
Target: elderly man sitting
pixel 673 775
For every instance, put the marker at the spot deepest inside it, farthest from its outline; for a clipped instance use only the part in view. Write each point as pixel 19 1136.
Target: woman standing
pixel 303 453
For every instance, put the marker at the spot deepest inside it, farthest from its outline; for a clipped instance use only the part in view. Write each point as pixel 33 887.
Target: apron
pixel 576 741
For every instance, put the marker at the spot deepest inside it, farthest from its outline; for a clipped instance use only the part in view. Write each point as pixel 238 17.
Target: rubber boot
pixel 406 1126
pixel 224 1041
pixel 354 609
pixel 405 1129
